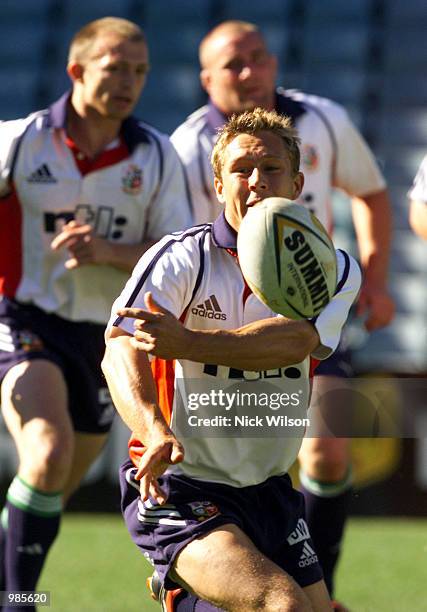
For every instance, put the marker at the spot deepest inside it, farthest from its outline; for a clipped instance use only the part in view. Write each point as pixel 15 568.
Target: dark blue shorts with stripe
pixel 271 514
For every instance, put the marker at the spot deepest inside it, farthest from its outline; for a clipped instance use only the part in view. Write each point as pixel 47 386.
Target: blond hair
pixel 84 39
pixel 250 122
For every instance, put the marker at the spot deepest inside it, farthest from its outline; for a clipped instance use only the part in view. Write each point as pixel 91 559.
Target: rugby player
pixel 218 516
pixel 239 73
pixel 85 188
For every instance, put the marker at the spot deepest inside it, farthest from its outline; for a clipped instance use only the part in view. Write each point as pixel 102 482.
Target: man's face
pixel 113 76
pixel 239 73
pixel 255 167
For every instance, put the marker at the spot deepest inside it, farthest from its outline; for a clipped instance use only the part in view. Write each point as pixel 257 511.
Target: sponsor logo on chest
pixel 309 157
pixel 132 179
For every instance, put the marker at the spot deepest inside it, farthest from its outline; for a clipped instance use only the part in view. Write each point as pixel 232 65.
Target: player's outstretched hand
pixel 157 457
pixel 377 305
pixel 157 331
pixel 84 247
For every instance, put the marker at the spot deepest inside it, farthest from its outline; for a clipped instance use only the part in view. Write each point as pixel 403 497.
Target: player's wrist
pixel 159 433
pixel 108 254
pixel 190 344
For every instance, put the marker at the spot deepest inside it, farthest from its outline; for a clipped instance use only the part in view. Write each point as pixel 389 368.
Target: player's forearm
pixel 262 345
pixel 418 218
pixel 132 388
pixel 373 223
pixel 126 256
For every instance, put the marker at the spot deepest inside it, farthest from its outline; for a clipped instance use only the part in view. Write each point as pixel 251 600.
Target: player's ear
pixel 75 71
pixel 219 190
pixel 298 184
pixel 205 79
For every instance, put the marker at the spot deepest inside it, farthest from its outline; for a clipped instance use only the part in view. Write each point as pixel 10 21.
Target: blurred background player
pixel 232 528
pixel 239 73
pixel 85 188
pixel 418 201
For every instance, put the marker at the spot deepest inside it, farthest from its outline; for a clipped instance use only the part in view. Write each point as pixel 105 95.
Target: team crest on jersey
pixel 29 342
pixel 132 179
pixel 203 510
pixel 309 157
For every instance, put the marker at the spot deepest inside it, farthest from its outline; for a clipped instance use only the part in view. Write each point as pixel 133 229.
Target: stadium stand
pixel 338 12
pixel 258 12
pixel 184 12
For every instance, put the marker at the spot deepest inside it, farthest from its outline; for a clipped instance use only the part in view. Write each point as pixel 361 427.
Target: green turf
pixel 384 566
pixel 95 567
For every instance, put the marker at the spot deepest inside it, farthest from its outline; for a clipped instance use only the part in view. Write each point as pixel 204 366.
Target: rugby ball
pixel 287 258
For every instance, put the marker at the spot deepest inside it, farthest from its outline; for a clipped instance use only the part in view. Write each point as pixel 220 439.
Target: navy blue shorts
pixel 27 333
pixel 271 514
pixel 338 364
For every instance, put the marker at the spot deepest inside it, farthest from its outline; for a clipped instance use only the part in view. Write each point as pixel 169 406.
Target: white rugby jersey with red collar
pixel 195 275
pixel 418 190
pixel 333 153
pixel 133 191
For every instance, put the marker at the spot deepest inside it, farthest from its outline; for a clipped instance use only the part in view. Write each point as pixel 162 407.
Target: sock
pixel 33 523
pixel 3 532
pixel 326 507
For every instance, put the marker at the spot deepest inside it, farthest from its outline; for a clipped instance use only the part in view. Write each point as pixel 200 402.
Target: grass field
pixel 94 567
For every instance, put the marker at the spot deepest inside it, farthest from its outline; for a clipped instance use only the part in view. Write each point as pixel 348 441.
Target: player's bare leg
pixel 87 447
pixel 326 483
pixel 225 568
pixel 34 404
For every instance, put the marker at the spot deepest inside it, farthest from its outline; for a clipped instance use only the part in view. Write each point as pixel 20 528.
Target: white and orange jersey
pixel 195 274
pixel 333 154
pixel 133 191
pixel 418 190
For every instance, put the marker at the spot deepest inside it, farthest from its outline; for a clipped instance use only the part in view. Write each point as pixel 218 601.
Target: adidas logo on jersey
pixel 209 309
pixel 42 175
pixel 308 556
pixel 299 534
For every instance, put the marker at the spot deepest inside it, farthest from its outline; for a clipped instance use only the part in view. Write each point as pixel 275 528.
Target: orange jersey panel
pixel 164 377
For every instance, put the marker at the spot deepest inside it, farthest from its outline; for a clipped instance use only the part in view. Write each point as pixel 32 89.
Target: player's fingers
pixel 177 454
pixel 151 456
pixel 72 263
pixel 146 327
pixel 136 313
pixel 141 345
pixel 64 239
pixel 78 230
pixel 143 336
pixel 144 487
pixel 71 234
pixel 139 324
pixel 157 492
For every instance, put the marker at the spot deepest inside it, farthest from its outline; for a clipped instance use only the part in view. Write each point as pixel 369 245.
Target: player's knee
pixel 331 469
pixel 327 462
pixel 47 464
